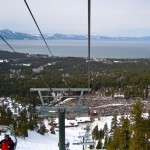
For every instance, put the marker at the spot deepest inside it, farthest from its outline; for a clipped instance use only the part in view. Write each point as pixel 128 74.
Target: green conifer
pixel 125 134
pixel 99 144
pixel 95 133
pixel 138 141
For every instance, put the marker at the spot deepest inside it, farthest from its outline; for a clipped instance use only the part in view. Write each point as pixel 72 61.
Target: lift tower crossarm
pixel 45 110
pixel 60 89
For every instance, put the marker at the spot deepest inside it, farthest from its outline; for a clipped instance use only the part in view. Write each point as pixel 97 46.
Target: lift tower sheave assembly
pixel 45 110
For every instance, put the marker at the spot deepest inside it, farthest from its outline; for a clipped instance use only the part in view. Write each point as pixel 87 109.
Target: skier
pixel 7 143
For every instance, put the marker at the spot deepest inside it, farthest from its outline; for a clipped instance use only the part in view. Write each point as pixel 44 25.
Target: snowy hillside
pixel 36 141
pixel 11 35
pixel 49 141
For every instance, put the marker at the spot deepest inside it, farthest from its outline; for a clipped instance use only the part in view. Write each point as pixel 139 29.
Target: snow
pixel 5 60
pixel 118 96
pixel 102 122
pixel 35 141
pixel 109 105
pixel 26 65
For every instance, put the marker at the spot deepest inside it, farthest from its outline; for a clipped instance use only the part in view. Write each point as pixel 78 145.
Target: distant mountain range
pixel 10 35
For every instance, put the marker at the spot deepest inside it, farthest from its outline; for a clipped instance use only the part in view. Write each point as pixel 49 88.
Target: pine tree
pixel 105 142
pixel 125 134
pixel 114 124
pixel 148 132
pixel 22 124
pixel 32 123
pixel 99 144
pixel 9 116
pixel 105 129
pixel 146 93
pixel 91 146
pixel 3 115
pixel 14 123
pixel 24 129
pixel 101 134
pixel 109 139
pixel 95 133
pixel 138 141
pixel 115 140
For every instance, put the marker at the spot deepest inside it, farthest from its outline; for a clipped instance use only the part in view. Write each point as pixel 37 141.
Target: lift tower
pixel 45 110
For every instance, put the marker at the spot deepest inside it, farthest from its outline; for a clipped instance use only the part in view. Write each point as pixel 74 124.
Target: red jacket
pixel 6 144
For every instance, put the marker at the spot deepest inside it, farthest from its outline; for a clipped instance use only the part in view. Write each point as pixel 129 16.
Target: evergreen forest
pixel 21 72
pixel 126 133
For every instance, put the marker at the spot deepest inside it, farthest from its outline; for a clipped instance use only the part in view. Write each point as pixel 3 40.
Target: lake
pixel 79 48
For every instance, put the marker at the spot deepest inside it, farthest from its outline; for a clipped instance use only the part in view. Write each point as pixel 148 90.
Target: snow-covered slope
pixel 49 141
pixel 36 141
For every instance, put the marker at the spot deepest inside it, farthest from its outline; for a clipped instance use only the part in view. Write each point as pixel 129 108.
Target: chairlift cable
pixel 45 82
pixel 38 27
pixel 7 43
pixel 66 83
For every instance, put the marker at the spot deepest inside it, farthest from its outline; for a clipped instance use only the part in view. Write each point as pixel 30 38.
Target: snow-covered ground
pixel 49 141
pixel 35 141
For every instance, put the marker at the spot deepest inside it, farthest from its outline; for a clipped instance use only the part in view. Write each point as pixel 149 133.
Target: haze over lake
pixel 78 48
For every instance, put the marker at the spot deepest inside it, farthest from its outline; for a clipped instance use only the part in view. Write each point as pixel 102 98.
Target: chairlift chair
pixel 10 131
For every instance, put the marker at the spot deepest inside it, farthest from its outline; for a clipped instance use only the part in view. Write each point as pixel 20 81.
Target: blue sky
pixel 109 17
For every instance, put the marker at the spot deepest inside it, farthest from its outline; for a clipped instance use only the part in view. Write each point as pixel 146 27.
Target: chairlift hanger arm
pixel 41 97
pixel 80 98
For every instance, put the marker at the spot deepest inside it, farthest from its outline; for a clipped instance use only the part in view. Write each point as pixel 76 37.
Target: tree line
pixel 126 133
pixel 21 120
pixel 129 76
